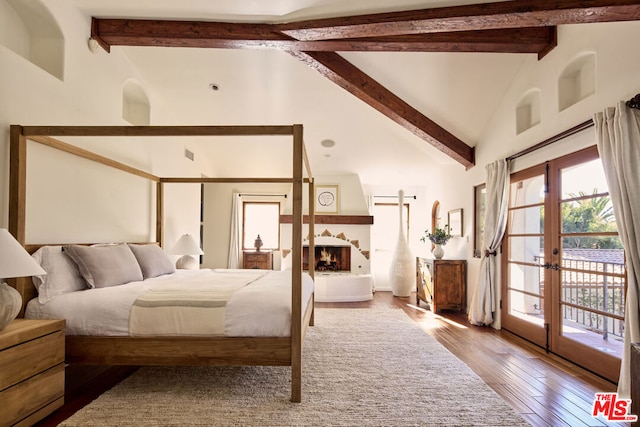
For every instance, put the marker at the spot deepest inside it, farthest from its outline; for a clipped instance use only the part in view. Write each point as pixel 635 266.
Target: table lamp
pixel 14 262
pixel 187 247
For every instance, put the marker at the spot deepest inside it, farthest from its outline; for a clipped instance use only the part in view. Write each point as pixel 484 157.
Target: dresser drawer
pixel 258 260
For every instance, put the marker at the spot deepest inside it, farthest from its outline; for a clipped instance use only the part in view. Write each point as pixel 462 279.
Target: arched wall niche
pixel 135 104
pixel 28 29
pixel 577 81
pixel 528 111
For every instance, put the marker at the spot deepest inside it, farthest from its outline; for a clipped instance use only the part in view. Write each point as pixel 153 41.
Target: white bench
pixel 343 287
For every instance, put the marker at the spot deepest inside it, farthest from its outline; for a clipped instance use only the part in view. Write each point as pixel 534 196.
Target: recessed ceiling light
pixel 214 86
pixel 327 143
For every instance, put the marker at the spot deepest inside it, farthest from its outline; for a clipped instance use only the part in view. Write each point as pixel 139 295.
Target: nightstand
pixel 31 370
pixel 258 260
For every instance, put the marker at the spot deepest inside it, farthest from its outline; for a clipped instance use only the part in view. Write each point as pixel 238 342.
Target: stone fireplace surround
pixel 354 284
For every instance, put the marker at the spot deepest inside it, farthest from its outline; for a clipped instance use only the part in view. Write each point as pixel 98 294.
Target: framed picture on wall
pixel 327 199
pixel 455 223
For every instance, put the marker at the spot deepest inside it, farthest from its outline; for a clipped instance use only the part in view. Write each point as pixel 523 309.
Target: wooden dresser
pixel 258 260
pixel 448 287
pixel 31 370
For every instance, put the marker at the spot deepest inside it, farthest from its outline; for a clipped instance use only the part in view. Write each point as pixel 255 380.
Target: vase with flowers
pixel 439 238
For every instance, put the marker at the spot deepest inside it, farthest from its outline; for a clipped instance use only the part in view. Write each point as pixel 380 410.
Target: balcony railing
pixel 593 293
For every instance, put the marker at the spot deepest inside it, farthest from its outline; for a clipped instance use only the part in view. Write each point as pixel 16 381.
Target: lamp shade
pixel 186 245
pixel 14 260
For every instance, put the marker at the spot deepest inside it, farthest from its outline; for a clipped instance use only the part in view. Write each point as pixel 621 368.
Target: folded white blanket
pixel 173 309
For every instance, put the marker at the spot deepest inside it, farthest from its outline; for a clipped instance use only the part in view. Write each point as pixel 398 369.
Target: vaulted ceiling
pixel 394 56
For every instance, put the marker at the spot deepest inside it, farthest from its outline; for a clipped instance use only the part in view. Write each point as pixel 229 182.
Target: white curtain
pixel 485 298
pixel 235 243
pixel 618 134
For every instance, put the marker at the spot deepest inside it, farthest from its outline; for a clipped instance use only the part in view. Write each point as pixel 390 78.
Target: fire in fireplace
pixel 329 258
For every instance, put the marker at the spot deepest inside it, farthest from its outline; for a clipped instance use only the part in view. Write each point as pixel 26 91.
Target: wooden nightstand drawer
pixel 33 399
pixel 31 370
pixel 26 360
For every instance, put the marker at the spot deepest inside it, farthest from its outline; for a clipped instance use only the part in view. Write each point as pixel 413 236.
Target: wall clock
pixel 326 198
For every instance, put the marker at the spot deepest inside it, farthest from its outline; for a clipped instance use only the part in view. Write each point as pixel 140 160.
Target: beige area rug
pixel 362 367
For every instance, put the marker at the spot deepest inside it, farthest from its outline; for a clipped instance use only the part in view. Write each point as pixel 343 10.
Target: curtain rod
pixel 395 197
pixel 582 126
pixel 263 195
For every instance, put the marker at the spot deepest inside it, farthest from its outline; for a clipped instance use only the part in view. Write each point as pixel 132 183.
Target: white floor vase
pixel 402 274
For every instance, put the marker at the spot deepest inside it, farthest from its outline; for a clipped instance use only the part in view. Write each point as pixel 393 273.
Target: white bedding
pixel 261 308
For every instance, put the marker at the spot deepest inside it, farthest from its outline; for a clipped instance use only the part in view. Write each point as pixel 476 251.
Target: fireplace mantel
pixel 332 219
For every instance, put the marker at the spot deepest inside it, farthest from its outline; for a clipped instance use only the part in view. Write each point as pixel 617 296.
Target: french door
pixel 563 264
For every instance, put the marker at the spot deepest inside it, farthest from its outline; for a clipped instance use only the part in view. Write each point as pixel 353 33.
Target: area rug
pixel 362 367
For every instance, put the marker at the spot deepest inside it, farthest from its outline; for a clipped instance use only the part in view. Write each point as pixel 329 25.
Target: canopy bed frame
pixel 268 351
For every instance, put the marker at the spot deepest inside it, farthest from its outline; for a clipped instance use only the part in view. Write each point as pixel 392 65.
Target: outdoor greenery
pixel 589 215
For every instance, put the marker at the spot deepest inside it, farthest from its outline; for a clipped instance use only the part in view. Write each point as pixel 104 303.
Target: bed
pixel 221 347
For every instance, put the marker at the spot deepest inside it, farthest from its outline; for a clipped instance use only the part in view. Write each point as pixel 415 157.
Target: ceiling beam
pixel 504 14
pixel 128 32
pixel 346 75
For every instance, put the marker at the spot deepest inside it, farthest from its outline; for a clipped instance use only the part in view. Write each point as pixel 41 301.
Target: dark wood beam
pixel 331 219
pixel 346 75
pixel 504 14
pixel 129 32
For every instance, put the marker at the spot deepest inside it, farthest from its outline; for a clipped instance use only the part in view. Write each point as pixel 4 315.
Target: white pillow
pixel 103 266
pixel 152 259
pixel 62 274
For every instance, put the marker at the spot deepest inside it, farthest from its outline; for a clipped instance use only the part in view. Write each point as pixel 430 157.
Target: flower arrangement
pixel 440 236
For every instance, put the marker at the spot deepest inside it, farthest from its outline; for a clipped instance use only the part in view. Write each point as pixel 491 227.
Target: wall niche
pixel 28 29
pixel 577 81
pixel 528 111
pixel 135 104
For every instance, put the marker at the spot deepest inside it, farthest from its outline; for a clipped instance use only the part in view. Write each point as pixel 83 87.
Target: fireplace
pixel 329 258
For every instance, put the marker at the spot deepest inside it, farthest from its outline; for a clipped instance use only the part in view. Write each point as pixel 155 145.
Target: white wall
pixel 617 78
pixel 90 206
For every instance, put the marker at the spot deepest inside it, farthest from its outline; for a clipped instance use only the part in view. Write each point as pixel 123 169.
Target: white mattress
pixel 262 308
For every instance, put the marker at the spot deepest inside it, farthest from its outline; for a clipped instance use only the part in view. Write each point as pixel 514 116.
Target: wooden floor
pixel 543 388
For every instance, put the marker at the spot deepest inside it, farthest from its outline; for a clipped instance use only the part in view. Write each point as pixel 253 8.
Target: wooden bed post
pixel 17 183
pixel 160 213
pixel 17 202
pixel 296 279
pixel 312 239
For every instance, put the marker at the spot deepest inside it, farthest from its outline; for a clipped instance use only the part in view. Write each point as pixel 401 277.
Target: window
pixel 385 226
pixel 261 218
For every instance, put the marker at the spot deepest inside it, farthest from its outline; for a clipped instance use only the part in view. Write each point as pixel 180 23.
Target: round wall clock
pixel 326 199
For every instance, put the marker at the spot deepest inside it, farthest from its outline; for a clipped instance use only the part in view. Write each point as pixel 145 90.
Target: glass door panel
pixel 590 272
pixel 523 255
pixel 526 293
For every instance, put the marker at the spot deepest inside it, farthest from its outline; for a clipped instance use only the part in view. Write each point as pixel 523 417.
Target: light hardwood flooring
pixel 546 390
